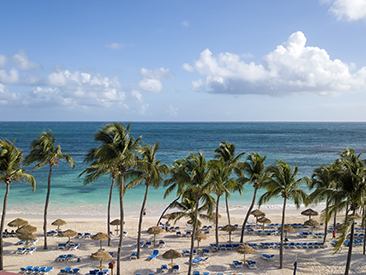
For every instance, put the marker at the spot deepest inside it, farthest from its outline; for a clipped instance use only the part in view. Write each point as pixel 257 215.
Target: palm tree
pixel 197 169
pixel 117 147
pixel 322 181
pixel 283 182
pixel 226 152
pixel 10 170
pixel 350 173
pixel 255 173
pixel 45 152
pixel 151 171
pixel 97 169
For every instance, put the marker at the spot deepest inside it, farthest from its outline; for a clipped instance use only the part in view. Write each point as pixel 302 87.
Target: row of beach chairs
pixel 249 264
pixel 66 257
pixel 30 243
pixel 25 250
pixel 69 270
pixel 98 272
pixel 35 270
pixel 68 246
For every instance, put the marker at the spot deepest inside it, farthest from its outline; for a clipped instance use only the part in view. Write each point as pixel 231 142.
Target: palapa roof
pixel 311 223
pixel 244 249
pixel 287 228
pixel 116 222
pixel 59 222
pixel 100 256
pixel 199 236
pixel 155 230
pixel 69 233
pixel 27 237
pixel 229 228
pixel 264 220
pixel 26 229
pixel 100 236
pixel 171 254
pixel 257 213
pixel 309 212
pixel 18 222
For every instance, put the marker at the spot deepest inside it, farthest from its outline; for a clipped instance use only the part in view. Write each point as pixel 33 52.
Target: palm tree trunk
pixel 2 226
pixel 166 209
pixel 227 208
pixel 217 223
pixel 121 224
pixel 192 237
pixel 248 213
pixel 335 219
pixel 350 246
pixel 140 222
pixel 363 226
pixel 46 208
pixel 326 220
pixel 282 225
pixel 109 210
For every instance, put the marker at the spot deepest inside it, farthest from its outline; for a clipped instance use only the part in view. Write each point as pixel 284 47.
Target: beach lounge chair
pixel 125 233
pixel 21 242
pixel 178 234
pixel 30 250
pixel 148 244
pixel 61 258
pixel 80 235
pixel 251 264
pixel 70 257
pixel 133 256
pixel 176 269
pixel 20 250
pixel 164 268
pixel 196 273
pixel 238 264
pixel 268 257
pixel 161 243
pixel 61 246
pixel 154 255
pixel 23 270
pixel 74 246
pixel 206 273
pixel 205 251
pixel 65 270
pixel 185 252
pixel 87 235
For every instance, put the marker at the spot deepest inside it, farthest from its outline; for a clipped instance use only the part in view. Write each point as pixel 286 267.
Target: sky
pixel 183 60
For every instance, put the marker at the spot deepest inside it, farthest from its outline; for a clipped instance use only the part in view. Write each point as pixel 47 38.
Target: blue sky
pixel 182 60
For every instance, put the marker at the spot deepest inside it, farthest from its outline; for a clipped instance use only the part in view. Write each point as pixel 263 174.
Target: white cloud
pixel 350 10
pixel 22 62
pixel 8 98
pixel 115 46
pixel 151 80
pixel 185 23
pixel 173 111
pixel 9 78
pixel 3 61
pixel 291 68
pixel 143 106
pixel 188 67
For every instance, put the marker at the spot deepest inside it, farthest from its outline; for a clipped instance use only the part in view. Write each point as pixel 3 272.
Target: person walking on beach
pixel 144 213
pixel 334 234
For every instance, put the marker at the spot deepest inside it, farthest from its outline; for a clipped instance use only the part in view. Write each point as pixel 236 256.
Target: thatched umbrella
pixel 171 255
pixel 287 229
pixel 264 220
pixel 18 222
pixel 100 256
pixel 257 214
pixel 117 223
pixel 339 227
pixel 244 249
pixel 27 237
pixel 311 223
pixel 229 228
pixel 26 229
pixel 155 230
pixel 199 236
pixel 167 216
pixel 58 223
pixel 100 236
pixel 69 233
pixel 309 212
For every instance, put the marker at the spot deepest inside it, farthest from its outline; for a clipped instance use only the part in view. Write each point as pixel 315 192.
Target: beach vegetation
pixel 45 152
pixel 11 159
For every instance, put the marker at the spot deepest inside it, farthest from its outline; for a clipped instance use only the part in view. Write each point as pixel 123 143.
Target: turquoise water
pixel 307 145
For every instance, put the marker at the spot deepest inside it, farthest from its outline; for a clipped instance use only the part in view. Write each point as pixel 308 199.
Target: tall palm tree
pixel 350 173
pixel 254 173
pixel 117 147
pixel 226 152
pixel 283 182
pixel 45 152
pixel 197 169
pixel 97 169
pixel 10 170
pixel 149 170
pixel 322 181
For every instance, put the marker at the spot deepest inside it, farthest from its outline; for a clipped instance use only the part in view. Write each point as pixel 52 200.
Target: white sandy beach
pixel 310 261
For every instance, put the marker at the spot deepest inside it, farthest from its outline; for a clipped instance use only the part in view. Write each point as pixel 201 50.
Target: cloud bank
pixel 350 10
pixel 291 68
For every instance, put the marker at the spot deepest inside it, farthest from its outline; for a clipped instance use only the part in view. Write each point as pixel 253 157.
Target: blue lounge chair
pixel 133 256
pixel 176 269
pixel 251 264
pixel 164 268
pixel 185 252
pixel 205 251
pixel 196 273
pixel 268 257
pixel 238 264
pixel 154 255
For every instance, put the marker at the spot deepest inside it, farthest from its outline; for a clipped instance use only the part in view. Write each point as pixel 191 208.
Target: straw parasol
pixel 155 230
pixel 116 222
pixel 27 237
pixel 257 214
pixel 171 255
pixel 199 236
pixel 100 256
pixel 18 222
pixel 287 229
pixel 26 229
pixel 69 233
pixel 244 249
pixel 58 223
pixel 100 236
pixel 311 223
pixel 264 220
pixel 309 212
pixel 229 228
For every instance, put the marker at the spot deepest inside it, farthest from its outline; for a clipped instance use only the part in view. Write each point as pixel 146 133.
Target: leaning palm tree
pixel 45 152
pixel 254 173
pixel 150 171
pixel 197 168
pixel 350 173
pixel 94 171
pixel 226 152
pixel 117 147
pixel 283 182
pixel 10 170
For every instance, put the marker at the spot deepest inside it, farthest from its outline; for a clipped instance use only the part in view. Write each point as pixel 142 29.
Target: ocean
pixel 308 145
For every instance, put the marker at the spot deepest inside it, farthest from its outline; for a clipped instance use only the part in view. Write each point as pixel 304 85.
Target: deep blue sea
pixel 308 145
